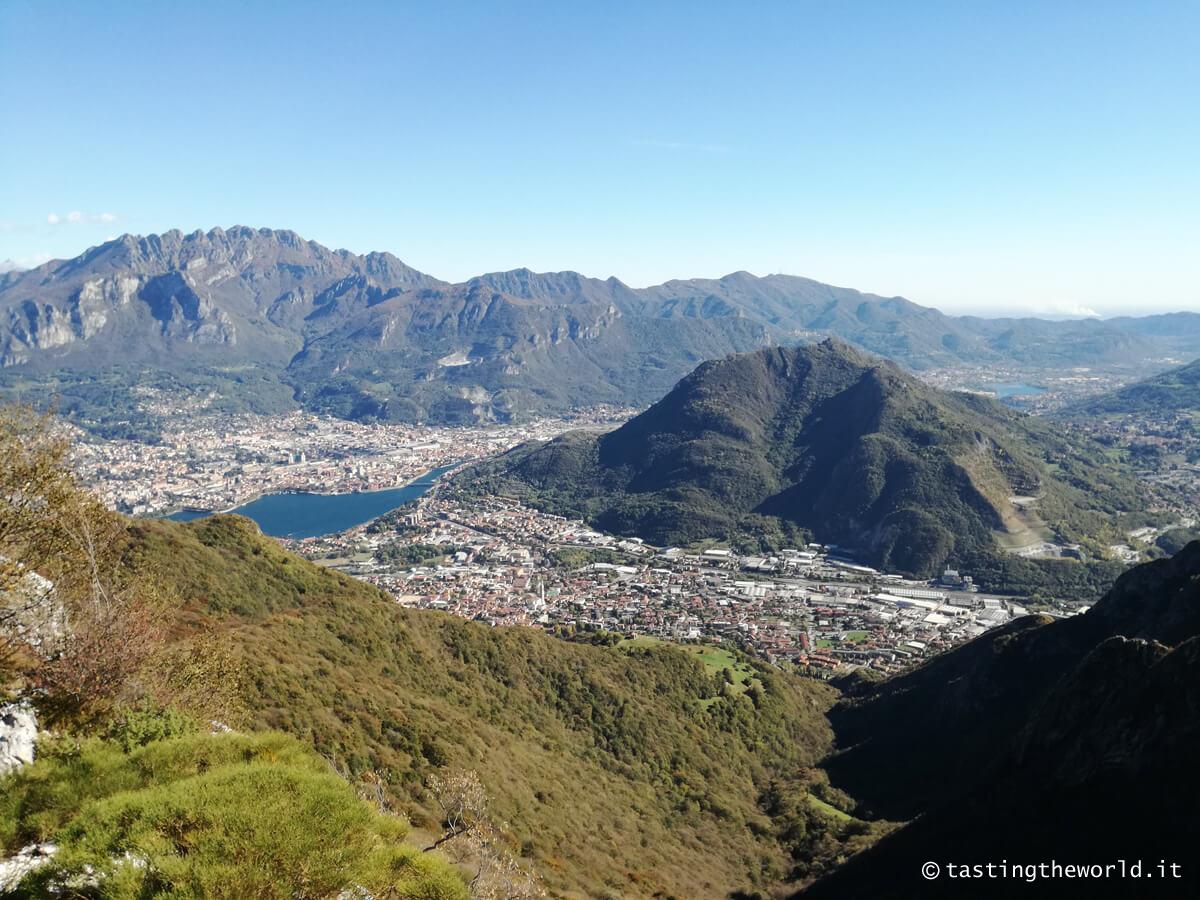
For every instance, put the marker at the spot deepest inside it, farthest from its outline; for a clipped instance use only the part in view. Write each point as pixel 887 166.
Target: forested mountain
pixel 1174 391
pixel 270 320
pixel 823 441
pixel 1046 740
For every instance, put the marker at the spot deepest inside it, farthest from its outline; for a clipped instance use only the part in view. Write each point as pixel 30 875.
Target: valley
pixel 212 462
pixel 734 700
pixel 808 609
pixel 496 559
pixel 599 451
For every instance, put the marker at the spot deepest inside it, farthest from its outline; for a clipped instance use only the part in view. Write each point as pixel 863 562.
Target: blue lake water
pixel 301 515
pixel 1004 391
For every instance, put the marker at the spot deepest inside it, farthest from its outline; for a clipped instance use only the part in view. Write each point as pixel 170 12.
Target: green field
pixel 846 637
pixel 820 805
pixel 642 640
pixel 716 660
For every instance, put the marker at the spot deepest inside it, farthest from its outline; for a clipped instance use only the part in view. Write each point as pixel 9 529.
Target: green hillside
pixel 622 772
pixel 645 770
pixel 780 445
pixel 207 816
pixel 1171 392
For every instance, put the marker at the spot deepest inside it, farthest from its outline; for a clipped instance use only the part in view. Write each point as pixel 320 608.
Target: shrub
pixel 210 816
pixel 140 725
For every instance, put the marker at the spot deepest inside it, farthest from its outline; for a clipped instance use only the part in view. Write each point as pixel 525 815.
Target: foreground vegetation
pixel 203 815
pixel 129 792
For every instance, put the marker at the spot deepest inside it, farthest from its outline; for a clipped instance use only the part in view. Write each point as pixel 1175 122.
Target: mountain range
pixel 275 320
pixel 782 445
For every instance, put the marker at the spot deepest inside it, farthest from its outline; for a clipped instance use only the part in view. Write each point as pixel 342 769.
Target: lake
pixel 1004 391
pixel 301 515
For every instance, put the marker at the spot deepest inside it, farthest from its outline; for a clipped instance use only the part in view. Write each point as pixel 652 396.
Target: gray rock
pixel 18 735
pixel 27 859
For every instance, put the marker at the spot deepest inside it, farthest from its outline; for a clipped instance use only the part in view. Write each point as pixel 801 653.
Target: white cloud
pixel 75 217
pixel 1068 309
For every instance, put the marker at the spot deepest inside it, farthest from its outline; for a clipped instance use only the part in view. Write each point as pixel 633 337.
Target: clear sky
pixel 986 156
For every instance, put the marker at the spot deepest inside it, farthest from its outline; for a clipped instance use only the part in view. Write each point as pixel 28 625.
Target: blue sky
pixel 972 156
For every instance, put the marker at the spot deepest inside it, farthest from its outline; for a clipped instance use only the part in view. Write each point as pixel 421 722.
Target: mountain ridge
pixel 1076 735
pixel 364 336
pixel 1171 392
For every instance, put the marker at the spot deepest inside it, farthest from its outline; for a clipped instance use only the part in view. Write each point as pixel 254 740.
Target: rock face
pixel 38 618
pixel 18 736
pixel 158 294
pixel 362 336
pixel 358 336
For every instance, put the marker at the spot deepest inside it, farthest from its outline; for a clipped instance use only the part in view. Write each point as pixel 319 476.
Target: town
pixel 494 560
pixel 217 463
pixel 1037 390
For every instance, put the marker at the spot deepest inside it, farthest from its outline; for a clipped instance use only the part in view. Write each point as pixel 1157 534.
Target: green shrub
pixel 140 725
pixel 210 816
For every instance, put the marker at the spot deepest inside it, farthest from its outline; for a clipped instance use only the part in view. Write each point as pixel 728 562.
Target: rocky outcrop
pixel 26 860
pixel 33 614
pixel 18 735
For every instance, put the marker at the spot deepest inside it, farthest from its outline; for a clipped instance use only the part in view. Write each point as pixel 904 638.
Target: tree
pixel 49 531
pixel 89 628
pixel 473 838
